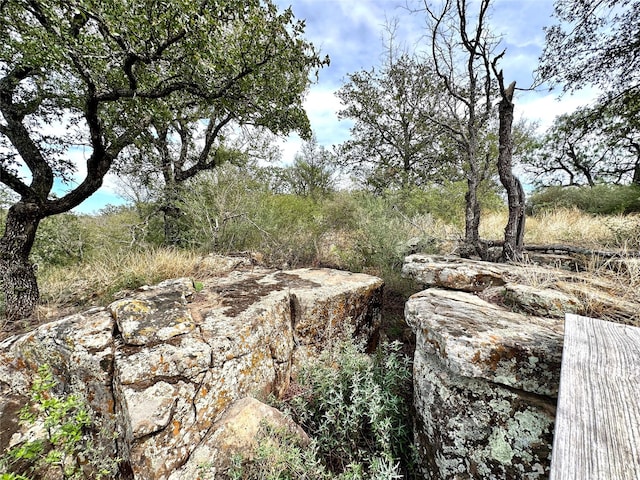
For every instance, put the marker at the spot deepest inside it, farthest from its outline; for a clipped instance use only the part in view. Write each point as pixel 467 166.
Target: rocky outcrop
pixel 487 359
pixel 485 387
pixel 486 370
pixel 168 361
pixel 529 289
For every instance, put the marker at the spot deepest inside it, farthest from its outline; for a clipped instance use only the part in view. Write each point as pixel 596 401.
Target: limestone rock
pixel 529 288
pixel 455 273
pixel 166 362
pixel 547 302
pixel 155 314
pixel 485 386
pixel 342 305
pixel 80 350
pixel 237 432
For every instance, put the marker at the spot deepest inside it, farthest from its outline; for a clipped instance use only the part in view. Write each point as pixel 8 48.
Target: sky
pixel 351 33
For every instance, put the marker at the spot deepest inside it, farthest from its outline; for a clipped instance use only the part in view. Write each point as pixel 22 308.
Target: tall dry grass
pixel 374 241
pixel 97 281
pixel 570 227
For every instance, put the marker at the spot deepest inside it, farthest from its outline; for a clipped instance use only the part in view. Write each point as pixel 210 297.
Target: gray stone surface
pixel 531 289
pixel 236 433
pixel 485 387
pixel 166 362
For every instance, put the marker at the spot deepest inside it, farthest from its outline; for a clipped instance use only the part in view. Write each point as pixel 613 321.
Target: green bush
pixel 65 445
pixel 444 201
pixel 355 407
pixel 61 240
pixel 279 456
pixel 600 199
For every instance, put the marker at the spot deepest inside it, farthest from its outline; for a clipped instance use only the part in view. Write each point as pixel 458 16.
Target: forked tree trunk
pixel 514 231
pixel 17 273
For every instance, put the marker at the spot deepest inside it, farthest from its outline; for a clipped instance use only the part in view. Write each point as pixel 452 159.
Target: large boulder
pixel 166 362
pixel 485 387
pixel 486 365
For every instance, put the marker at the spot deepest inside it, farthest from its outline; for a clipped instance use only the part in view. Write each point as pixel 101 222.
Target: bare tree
pixel 514 231
pixel 461 47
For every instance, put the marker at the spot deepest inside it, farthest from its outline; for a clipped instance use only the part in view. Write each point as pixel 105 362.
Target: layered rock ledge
pixel 486 371
pixel 166 363
pixel 487 360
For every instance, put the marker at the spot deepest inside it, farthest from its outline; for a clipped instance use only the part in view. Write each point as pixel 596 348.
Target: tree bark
pixel 170 208
pixel 17 273
pixel 514 231
pixel 472 244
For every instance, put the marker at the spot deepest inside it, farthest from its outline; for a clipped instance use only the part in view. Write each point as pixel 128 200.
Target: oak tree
pixel 394 142
pixel 595 43
pixel 585 148
pixel 84 76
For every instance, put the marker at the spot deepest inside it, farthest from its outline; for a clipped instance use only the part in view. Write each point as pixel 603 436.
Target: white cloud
pixel 544 108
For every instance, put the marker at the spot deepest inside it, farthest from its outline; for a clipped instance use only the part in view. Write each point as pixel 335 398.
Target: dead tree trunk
pixel 472 244
pixel 514 231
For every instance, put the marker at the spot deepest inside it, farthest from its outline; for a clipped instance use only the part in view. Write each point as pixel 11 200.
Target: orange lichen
pixel 476 358
pixel 176 427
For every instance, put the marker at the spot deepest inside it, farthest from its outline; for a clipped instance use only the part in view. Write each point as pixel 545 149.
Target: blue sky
pixel 351 33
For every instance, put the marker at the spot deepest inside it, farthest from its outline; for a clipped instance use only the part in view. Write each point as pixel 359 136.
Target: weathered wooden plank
pixel 597 432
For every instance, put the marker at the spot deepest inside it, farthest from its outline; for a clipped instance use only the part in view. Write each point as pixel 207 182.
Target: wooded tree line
pixel 161 91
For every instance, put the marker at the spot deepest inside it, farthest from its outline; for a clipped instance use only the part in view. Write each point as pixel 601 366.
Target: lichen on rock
pixel 168 361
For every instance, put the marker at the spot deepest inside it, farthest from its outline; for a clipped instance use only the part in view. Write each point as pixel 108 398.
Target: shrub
pixel 279 456
pixel 64 444
pixel 356 409
pixel 600 199
pixel 355 405
pixel 444 201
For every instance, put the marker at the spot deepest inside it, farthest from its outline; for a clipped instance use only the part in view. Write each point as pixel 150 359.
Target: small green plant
pixel 355 408
pixel 60 426
pixel 279 456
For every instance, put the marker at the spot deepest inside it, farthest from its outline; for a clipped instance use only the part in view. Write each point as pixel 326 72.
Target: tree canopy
pixel 394 140
pixel 85 77
pixel 596 43
pixel 586 147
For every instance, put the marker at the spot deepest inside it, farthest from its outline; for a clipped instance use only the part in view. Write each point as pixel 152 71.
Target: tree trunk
pixel 172 234
pixel 514 231
pixel 17 274
pixel 472 244
pixel 636 174
pixel 172 212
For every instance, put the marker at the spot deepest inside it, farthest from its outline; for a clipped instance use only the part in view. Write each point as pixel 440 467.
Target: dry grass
pixel 99 280
pixel 96 281
pixel 571 227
